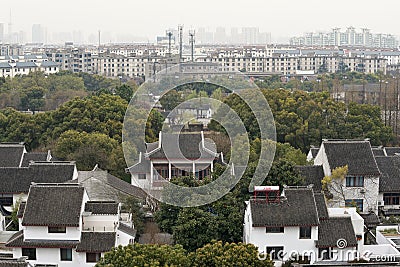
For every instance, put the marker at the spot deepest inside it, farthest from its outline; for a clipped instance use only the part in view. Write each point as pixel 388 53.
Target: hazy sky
pixel 151 18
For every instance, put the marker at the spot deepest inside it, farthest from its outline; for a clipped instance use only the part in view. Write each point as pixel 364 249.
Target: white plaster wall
pixel 41 232
pixel 289 240
pixel 142 183
pixel 321 159
pixel 100 223
pixel 52 256
pixel 370 197
pixel 123 239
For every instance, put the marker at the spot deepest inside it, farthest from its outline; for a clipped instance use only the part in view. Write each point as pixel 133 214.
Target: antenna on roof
pixel 192 40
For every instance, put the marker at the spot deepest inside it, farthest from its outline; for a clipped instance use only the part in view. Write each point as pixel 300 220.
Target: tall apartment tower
pixel 37 34
pixel 2 33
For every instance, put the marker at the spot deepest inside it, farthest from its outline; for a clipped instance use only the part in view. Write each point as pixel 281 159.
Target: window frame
pixel 64 257
pixel 56 229
pixel 354 181
pixel 97 255
pixel 275 252
pixel 31 251
pixel 274 230
pixel 142 176
pixel 305 232
pixel 359 203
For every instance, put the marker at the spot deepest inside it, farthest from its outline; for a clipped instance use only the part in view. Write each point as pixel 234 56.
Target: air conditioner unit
pixel 362 190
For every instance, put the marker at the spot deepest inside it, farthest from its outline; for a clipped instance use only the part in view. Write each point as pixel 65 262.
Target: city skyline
pixel 143 21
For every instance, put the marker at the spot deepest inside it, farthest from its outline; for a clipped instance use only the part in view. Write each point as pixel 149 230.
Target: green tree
pixel 219 254
pixel 33 98
pixel 138 255
pixel 171 99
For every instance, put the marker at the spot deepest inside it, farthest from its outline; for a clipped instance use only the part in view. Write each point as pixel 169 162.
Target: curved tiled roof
pixel 299 209
pixel 96 242
pixel 357 155
pixel 18 180
pixel 17 240
pixel 313 174
pixel 102 207
pixel 335 228
pixel 53 205
pixel 390 169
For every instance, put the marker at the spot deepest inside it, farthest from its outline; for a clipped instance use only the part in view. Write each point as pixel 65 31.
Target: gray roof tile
pixel 390 169
pixel 33 156
pixel 102 207
pixel 313 174
pixel 391 151
pixel 102 186
pixel 18 180
pixel 17 240
pixel 299 209
pixel 96 242
pixel 321 206
pixel 188 145
pixel 53 205
pixel 11 154
pixel 333 229
pixel 356 154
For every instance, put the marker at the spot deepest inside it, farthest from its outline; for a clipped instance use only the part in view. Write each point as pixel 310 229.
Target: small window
pixel 358 203
pixel 354 181
pixel 55 229
pixel 29 252
pixel 93 257
pixel 275 230
pixel 142 176
pixel 275 253
pixel 66 254
pixel 305 232
pixel 325 253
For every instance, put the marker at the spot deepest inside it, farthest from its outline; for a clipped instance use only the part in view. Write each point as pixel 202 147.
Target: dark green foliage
pixel 216 254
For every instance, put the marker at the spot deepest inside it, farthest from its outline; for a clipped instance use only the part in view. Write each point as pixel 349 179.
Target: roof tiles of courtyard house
pixel 334 229
pixel 298 208
pixel 390 178
pixel 53 205
pixel 312 174
pixel 179 146
pixel 18 180
pixel 357 155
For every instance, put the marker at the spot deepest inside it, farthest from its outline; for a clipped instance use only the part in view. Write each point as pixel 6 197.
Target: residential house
pixel 389 185
pixel 361 184
pixel 174 155
pixel 19 168
pixel 59 226
pixel 100 185
pixel 297 222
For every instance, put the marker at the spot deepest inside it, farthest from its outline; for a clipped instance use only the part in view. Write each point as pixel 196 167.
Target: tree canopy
pixel 218 254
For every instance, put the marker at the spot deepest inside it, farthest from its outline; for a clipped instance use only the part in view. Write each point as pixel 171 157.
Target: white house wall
pixel 52 256
pixel 321 159
pixel 100 223
pixel 40 232
pixel 289 239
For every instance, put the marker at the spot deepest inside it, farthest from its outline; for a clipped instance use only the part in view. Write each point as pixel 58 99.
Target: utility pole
pixel 169 34
pixel 397 102
pixel 191 36
pixel 180 31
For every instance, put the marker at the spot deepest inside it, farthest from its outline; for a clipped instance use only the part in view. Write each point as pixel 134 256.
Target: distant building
pixel 38 34
pixel 349 37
